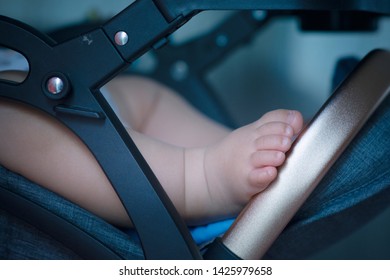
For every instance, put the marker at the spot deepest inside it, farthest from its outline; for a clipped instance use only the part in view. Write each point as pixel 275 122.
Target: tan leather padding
pixel 312 154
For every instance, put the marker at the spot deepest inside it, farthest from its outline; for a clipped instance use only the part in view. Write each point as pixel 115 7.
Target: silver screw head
pixel 121 38
pixel 55 85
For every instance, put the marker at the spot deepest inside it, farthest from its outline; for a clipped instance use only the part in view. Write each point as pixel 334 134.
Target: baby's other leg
pixel 157 111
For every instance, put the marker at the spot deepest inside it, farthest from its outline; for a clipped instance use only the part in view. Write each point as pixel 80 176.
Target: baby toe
pixel 262 177
pixel 273 142
pixel 295 119
pixel 267 158
pixel 291 117
pixel 275 128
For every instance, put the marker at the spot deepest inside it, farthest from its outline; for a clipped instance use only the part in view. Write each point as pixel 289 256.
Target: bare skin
pixel 212 172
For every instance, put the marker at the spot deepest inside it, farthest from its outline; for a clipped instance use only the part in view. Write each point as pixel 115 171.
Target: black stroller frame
pixel 66 77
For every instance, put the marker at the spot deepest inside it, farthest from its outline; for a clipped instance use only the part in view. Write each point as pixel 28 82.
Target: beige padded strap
pixel 313 153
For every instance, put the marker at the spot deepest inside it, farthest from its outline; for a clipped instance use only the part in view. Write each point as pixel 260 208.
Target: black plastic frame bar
pixel 84 64
pixel 174 9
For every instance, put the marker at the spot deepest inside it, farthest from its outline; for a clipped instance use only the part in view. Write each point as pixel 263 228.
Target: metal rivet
pixel 55 85
pixel 121 38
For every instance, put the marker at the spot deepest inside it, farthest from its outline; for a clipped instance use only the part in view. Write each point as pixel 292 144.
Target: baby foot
pixel 245 162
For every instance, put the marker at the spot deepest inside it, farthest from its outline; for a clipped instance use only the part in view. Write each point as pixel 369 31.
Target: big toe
pixel 295 119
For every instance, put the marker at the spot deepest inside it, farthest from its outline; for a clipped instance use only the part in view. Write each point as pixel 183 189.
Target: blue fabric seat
pixel 20 240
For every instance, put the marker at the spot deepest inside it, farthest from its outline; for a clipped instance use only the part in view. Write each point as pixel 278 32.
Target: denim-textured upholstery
pixel 19 240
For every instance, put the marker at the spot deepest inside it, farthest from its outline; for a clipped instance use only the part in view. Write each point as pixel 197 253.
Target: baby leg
pixel 245 162
pixel 205 184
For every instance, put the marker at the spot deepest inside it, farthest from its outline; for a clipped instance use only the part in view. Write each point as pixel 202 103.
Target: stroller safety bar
pixel 312 155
